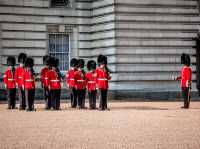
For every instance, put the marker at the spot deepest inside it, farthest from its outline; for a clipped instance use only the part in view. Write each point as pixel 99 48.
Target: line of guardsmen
pixel 77 80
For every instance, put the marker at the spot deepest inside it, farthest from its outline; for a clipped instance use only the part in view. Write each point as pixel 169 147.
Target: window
pixel 60 3
pixel 59 46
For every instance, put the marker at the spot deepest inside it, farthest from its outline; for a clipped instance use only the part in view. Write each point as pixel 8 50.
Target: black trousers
pixel 11 95
pixel 73 97
pixel 47 98
pixel 22 99
pixel 80 96
pixel 55 98
pixel 30 97
pixel 84 96
pixel 186 97
pixel 92 99
pixel 103 99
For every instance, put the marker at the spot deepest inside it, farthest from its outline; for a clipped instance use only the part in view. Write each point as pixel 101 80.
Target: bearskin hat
pixel 22 57
pixel 46 59
pixel 51 61
pixel 81 63
pixel 73 62
pixel 11 61
pixel 56 62
pixel 29 62
pixel 185 59
pixel 102 59
pixel 91 65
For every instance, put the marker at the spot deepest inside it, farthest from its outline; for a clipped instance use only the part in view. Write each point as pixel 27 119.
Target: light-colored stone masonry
pixel 143 39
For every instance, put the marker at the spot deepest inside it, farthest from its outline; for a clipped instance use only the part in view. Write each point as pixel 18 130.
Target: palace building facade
pixel 143 39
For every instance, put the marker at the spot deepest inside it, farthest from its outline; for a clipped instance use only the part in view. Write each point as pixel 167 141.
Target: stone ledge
pixel 124 95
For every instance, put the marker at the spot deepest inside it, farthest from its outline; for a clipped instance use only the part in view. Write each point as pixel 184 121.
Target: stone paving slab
pixel 128 125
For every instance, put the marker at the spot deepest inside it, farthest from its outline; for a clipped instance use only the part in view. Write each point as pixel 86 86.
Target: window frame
pixel 69 52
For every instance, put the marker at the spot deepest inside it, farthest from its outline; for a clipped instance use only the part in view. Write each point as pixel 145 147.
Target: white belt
pixel 102 79
pixel 80 80
pixel 54 80
pixel 71 79
pixel 19 77
pixel 46 78
pixel 11 79
pixel 30 80
pixel 91 82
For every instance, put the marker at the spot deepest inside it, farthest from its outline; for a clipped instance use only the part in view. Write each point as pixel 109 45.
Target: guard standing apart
pixel 103 75
pixel 54 83
pixel 186 79
pixel 19 79
pixel 9 82
pixel 71 83
pixel 29 84
pixel 90 78
pixel 44 80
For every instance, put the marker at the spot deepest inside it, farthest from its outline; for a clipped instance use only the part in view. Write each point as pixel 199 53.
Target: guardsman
pixel 44 80
pixel 186 79
pixel 9 82
pixel 54 83
pixel 19 78
pixel 103 75
pixel 90 79
pixel 71 83
pixel 29 84
pixel 80 84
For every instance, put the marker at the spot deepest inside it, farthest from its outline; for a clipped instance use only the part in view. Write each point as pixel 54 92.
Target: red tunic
pixel 70 77
pixel 186 76
pixel 90 79
pixel 79 80
pixel 8 79
pixel 29 80
pixel 44 76
pixel 19 76
pixel 53 80
pixel 102 78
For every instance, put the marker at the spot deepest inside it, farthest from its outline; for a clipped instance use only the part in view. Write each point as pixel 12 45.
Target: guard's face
pixel 102 65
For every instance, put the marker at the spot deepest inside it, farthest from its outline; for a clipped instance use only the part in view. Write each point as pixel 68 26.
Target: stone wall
pixel 143 39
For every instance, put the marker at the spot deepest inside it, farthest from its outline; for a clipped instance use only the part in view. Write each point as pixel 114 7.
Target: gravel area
pixel 128 125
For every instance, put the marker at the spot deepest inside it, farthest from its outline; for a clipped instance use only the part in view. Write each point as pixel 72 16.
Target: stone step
pixel 103 11
pixel 155 18
pixel 159 2
pixel 103 35
pixel 145 76
pixel 156 42
pixel 44 12
pixel 148 58
pixel 5 18
pixel 26 3
pixel 23 35
pixel 36 52
pixel 152 34
pixel 24 43
pixel 23 27
pixel 154 50
pixel 148 86
pixel 145 10
pixel 158 67
pixel 102 3
pixel 146 27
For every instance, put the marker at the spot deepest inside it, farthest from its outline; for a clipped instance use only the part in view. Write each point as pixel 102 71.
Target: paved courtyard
pixel 128 125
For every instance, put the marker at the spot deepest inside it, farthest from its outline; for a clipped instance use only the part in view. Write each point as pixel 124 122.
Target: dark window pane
pixel 55 3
